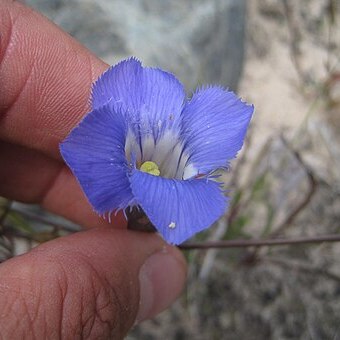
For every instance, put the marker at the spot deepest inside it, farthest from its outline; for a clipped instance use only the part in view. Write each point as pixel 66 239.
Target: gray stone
pixel 200 41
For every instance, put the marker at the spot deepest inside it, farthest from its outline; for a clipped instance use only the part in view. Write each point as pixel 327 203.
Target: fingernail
pixel 161 278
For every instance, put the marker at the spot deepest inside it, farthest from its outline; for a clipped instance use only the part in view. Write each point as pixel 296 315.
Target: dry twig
pixel 260 243
pixel 312 189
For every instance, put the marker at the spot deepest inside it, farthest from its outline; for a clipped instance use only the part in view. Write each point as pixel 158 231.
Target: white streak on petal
pixel 189 171
pixel 181 166
pixel 148 147
pixel 132 146
pixel 167 153
pixel 164 147
pixel 170 163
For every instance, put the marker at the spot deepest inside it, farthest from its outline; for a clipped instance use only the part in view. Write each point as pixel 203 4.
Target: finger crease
pixel 11 104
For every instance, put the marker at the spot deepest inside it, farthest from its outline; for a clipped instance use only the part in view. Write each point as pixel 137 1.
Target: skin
pixel 94 284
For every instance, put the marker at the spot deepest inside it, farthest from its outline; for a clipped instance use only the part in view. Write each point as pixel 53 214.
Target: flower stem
pixel 137 220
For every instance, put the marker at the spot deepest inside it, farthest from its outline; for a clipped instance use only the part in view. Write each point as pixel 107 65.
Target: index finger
pixel 46 79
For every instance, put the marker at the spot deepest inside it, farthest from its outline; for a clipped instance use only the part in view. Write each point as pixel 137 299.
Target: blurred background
pixel 282 56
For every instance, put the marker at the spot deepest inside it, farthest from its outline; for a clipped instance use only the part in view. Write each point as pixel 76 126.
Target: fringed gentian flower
pixel 143 144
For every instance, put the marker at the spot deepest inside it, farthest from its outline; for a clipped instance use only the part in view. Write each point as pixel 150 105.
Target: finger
pixel 46 78
pixel 93 284
pixel 25 174
pixel 29 176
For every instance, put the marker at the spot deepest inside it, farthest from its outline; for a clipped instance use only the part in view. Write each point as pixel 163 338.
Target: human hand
pixel 93 284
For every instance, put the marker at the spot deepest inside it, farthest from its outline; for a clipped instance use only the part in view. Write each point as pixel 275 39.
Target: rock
pixel 200 41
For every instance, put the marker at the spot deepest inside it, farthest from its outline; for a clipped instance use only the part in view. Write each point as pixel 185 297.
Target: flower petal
pixel 178 209
pixel 163 98
pixel 121 85
pixel 151 99
pixel 94 151
pixel 215 122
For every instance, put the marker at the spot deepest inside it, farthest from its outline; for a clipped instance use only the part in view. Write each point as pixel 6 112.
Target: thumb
pixel 94 284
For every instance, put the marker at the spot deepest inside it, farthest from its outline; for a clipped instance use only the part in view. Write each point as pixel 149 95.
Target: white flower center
pixel 167 153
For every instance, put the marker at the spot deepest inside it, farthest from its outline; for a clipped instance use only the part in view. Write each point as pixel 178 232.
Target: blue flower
pixel 143 144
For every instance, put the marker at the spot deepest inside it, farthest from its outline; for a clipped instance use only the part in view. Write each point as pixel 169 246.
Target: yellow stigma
pixel 150 167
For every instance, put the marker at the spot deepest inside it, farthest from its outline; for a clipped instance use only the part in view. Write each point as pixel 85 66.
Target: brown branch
pixel 299 208
pixel 312 189
pixel 260 243
pixel 235 208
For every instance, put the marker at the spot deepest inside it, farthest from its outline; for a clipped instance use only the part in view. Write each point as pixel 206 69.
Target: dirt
pixel 291 292
pixel 287 171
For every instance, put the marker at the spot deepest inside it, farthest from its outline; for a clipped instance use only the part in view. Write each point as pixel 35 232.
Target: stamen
pixel 151 168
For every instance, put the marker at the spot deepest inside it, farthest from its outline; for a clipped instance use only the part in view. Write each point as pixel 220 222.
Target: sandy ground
pixel 282 82
pixel 292 51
